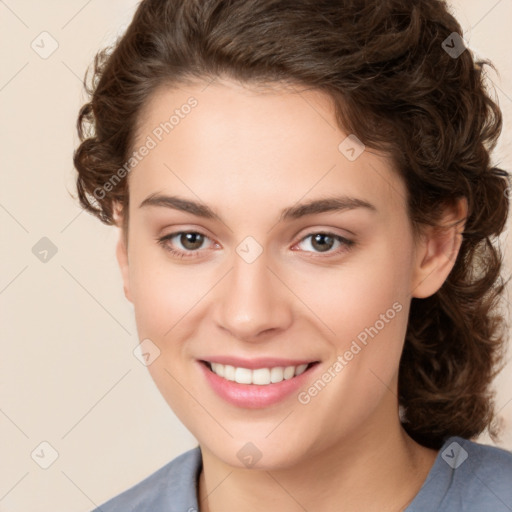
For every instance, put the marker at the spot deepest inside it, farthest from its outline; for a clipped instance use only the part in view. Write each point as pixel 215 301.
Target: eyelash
pixel 163 241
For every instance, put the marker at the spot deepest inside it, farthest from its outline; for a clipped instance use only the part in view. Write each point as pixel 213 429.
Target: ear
pixel 122 252
pixel 122 260
pixel 437 250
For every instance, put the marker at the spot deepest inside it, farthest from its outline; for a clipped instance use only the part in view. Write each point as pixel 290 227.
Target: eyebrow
pixel 330 204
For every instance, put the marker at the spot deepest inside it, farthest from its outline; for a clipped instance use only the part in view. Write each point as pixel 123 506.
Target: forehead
pixel 238 146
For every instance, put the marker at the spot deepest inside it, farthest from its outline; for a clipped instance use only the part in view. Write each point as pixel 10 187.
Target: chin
pixel 260 454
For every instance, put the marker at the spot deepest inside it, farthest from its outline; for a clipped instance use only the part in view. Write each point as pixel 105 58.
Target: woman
pixel 307 215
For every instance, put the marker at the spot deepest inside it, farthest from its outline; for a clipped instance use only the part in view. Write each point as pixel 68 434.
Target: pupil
pixel 322 246
pixel 192 240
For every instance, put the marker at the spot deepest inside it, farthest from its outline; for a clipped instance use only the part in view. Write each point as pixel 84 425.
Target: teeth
pixel 218 369
pixel 260 376
pixel 301 369
pixel 276 374
pixel 229 372
pixel 243 376
pixel 289 372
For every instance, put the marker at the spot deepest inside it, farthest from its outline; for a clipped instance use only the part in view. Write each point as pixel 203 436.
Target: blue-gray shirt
pixel 466 476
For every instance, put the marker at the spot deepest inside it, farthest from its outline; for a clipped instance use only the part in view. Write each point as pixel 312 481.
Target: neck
pixel 381 471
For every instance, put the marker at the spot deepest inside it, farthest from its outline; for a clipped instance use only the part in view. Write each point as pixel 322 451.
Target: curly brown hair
pixel 402 83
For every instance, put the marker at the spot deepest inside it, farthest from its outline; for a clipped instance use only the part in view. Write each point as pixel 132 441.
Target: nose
pixel 253 302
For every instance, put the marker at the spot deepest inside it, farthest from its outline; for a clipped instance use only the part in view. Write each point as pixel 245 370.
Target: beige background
pixel 68 375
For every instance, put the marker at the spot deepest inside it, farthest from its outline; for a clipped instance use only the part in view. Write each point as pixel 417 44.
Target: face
pixel 266 247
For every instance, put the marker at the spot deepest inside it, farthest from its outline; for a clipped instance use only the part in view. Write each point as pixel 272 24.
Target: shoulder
pixel 489 457
pixel 480 476
pixel 170 488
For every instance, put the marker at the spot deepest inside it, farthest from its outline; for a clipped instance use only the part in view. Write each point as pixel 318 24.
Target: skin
pixel 248 153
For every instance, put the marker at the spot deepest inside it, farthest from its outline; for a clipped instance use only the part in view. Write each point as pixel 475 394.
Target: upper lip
pixel 258 362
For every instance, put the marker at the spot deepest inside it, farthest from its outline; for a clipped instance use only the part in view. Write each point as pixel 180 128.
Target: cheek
pixel 344 301
pixel 365 306
pixel 353 296
pixel 379 309
pixel 158 293
pixel 168 297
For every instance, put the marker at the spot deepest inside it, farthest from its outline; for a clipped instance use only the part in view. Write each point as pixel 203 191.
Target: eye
pixel 323 242
pixel 191 241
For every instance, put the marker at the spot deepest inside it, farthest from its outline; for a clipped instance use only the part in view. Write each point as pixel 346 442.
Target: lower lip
pixel 253 396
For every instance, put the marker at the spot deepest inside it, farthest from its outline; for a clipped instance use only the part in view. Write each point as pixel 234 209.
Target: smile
pixel 258 376
pixel 257 383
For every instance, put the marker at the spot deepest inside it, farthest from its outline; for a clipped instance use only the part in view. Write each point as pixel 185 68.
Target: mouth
pixel 256 383
pixel 263 376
